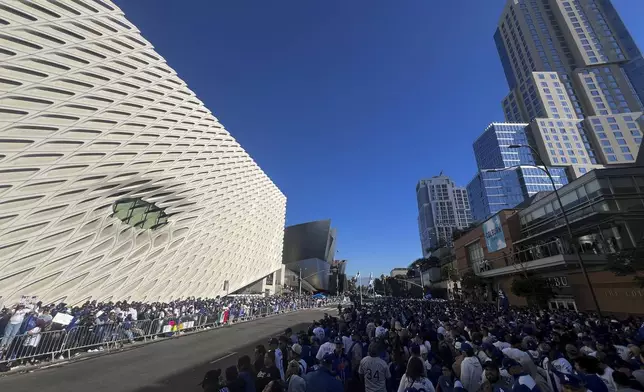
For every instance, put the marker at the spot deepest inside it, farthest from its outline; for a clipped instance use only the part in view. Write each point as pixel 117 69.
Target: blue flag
pixel 504 304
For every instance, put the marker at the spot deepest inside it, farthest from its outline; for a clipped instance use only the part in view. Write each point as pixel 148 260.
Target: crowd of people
pixel 31 330
pixel 396 345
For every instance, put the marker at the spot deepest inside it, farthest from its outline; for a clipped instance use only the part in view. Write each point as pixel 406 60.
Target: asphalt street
pixel 170 365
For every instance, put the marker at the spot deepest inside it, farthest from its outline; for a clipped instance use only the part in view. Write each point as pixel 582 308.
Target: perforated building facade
pixel 116 182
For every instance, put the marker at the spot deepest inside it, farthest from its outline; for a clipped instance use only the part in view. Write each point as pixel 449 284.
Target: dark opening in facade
pixel 138 213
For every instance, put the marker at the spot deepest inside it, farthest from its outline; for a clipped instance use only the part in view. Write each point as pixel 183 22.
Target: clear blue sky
pixel 346 104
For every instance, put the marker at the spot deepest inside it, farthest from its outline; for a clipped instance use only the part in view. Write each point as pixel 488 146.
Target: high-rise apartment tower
pixel 576 76
pixel 442 208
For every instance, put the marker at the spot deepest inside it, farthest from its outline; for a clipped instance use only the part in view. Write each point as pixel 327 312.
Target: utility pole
pixel 580 261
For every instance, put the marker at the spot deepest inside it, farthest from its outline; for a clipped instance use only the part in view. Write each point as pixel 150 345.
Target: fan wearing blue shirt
pixel 323 379
pixel 588 370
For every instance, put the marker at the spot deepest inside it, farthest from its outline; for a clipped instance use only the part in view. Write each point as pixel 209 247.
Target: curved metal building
pixel 116 182
pixel 310 246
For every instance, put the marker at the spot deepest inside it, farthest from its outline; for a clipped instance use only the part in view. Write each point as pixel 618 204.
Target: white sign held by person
pixel 62 319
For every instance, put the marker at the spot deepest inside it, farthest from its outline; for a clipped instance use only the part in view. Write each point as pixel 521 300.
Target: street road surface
pixel 170 365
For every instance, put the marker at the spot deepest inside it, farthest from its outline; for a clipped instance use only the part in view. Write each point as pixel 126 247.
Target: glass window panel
pixel 623 185
pixel 569 199
pixel 635 204
pixel 640 183
pixel 581 194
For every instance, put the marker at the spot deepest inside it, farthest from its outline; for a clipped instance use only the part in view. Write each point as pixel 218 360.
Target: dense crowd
pixel 31 328
pixel 396 345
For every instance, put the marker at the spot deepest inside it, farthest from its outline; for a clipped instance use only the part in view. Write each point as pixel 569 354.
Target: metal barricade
pixel 27 346
pixel 101 337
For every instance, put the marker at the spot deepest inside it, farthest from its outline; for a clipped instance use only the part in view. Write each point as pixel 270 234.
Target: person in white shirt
pixel 371 328
pixel 275 345
pixel 132 312
pixel 521 356
pixel 347 342
pixel 13 326
pixel 380 330
pixel 373 371
pixel 318 331
pixel 414 378
pixel 326 348
pixel 296 352
pixel 471 369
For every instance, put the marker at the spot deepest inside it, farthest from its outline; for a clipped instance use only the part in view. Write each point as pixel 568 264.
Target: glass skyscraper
pixel 506 176
pixel 491 148
pixel 493 190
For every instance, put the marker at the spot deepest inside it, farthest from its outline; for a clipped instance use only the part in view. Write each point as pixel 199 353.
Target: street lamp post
pixel 306 277
pixel 563 212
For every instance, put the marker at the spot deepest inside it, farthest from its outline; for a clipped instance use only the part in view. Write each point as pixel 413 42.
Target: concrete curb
pixel 87 355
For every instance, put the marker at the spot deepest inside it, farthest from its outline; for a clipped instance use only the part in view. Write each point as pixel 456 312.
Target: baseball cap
pixel 297 349
pixel 570 380
pixel 509 362
pixel 211 375
pixel 466 347
pixel 490 364
pixel 273 341
pixel 328 358
pixel 572 351
pixel 487 346
pixel 337 340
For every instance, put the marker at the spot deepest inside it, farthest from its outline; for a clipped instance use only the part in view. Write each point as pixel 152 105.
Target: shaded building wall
pixel 307 241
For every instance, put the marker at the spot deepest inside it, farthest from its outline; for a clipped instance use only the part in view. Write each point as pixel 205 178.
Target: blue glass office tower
pixel 634 67
pixel 493 190
pixel 491 148
pixel 506 176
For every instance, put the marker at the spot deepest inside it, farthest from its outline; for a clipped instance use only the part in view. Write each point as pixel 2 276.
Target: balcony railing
pixel 536 256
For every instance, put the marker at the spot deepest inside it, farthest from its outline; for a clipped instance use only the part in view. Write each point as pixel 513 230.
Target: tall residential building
pixel 442 208
pixel 576 76
pixel 506 176
pixel 116 181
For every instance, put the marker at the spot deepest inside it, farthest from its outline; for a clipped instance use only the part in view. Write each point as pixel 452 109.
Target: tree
pixel 629 262
pixel 441 244
pixel 395 287
pixel 472 285
pixel 379 286
pixel 448 272
pixel 352 284
pixel 426 263
pixel 533 288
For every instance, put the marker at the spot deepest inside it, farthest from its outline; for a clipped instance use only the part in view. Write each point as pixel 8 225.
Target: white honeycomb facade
pixel 90 114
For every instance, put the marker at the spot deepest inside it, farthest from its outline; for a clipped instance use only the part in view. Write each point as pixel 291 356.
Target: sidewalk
pixel 124 347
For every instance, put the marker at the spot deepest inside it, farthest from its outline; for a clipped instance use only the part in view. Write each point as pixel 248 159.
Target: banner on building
pixel 493 231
